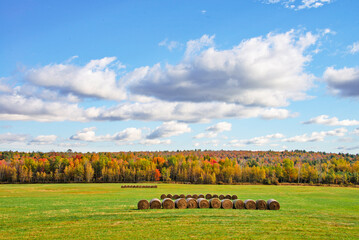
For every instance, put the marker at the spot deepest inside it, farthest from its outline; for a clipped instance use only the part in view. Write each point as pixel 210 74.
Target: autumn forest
pixel 198 167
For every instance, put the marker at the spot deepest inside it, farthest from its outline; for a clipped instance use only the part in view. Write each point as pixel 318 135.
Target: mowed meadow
pixel 107 211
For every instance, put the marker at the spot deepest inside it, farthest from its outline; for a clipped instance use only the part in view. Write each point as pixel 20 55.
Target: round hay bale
pixel 234 196
pixel 167 203
pixel 221 197
pixel 191 203
pixel 208 196
pixel 176 196
pixel 238 204
pixel 200 196
pixel 228 196
pixel 273 204
pixel 163 196
pixel 155 204
pixel 261 204
pixel 214 196
pixel 182 196
pixel 143 204
pixel 250 204
pixel 169 195
pixel 195 196
pixel 214 203
pixel 181 203
pixel 226 204
pixel 189 196
pixel 202 203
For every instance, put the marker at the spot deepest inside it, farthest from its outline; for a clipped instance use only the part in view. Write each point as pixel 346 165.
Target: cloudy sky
pixel 175 75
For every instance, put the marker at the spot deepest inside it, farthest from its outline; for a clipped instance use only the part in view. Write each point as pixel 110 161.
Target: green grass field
pixel 104 211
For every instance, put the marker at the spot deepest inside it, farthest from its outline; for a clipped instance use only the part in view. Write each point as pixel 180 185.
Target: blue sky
pixel 169 75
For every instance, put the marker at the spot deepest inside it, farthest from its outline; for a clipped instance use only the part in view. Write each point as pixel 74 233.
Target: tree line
pixel 199 167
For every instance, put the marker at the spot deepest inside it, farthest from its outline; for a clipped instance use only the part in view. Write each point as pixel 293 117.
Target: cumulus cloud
pixel 7 138
pixel 256 140
pixel 185 112
pixel 299 4
pixel 43 140
pixel 169 129
pixel 15 106
pixel 261 71
pixel 354 48
pixel 214 130
pixel 89 135
pixel 356 131
pixel 343 82
pixel 317 136
pixel 254 79
pixel 96 79
pixel 325 120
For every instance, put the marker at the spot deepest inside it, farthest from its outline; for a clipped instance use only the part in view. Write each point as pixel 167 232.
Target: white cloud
pixel 354 48
pixel 343 82
pixel 89 135
pixel 3 86
pixel 8 138
pixel 169 129
pixel 128 135
pixel 43 140
pixel 184 112
pixel 259 141
pixel 317 136
pixel 19 107
pixel 195 46
pixel 325 120
pixel 96 79
pixel 356 131
pixel 169 44
pixel 299 4
pixel 262 71
pixel 214 130
pixel 155 142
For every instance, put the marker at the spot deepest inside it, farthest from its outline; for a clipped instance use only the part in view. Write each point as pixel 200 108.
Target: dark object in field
pixel 202 203
pixel 221 197
pixel 163 196
pixel 176 196
pixel 143 204
pixel 191 203
pixel 234 196
pixel 169 195
pixel 182 196
pixel 261 204
pixel 201 196
pixel 250 204
pixel 181 203
pixel 214 196
pixel 238 204
pixel 273 204
pixel 215 203
pixel 195 196
pixel 155 204
pixel 228 196
pixel 226 204
pixel 208 196
pixel 167 203
pixel 189 196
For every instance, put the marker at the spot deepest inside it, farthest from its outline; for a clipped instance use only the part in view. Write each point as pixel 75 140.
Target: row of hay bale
pixel 197 196
pixel 183 203
pixel 138 186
